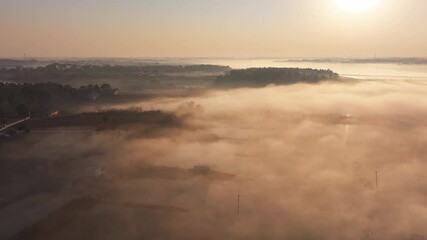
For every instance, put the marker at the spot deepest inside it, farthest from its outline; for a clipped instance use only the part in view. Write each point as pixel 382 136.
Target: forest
pixel 260 77
pixel 40 98
pixel 67 72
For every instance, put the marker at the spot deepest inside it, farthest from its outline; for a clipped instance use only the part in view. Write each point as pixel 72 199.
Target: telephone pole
pixel 376 179
pixel 238 205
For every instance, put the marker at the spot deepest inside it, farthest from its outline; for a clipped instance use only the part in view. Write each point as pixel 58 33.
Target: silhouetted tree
pixel 22 110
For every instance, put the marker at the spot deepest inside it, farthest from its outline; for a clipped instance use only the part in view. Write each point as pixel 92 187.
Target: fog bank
pixel 305 159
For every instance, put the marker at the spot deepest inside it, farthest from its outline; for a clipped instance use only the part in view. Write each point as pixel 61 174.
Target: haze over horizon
pixel 190 28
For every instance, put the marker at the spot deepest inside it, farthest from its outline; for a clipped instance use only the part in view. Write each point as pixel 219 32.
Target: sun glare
pixel 356 5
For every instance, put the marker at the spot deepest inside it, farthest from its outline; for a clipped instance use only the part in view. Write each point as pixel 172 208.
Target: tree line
pixel 41 98
pixel 260 77
pixel 59 71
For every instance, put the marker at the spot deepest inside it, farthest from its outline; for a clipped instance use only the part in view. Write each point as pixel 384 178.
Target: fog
pixel 305 159
pixel 307 156
pixel 378 70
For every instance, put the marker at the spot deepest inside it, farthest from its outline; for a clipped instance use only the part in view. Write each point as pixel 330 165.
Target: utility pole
pixel 238 205
pixel 376 179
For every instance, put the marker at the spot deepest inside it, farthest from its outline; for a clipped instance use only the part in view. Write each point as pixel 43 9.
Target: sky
pixel 211 28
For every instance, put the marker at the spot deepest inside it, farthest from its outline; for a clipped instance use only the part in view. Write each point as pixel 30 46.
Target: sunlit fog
pixel 213 120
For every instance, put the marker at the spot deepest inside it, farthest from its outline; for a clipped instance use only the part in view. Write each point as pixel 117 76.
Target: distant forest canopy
pixel 41 98
pixel 16 62
pixel 57 72
pixel 29 62
pixel 260 77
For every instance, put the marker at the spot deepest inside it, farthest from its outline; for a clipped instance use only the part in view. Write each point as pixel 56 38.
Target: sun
pixel 356 5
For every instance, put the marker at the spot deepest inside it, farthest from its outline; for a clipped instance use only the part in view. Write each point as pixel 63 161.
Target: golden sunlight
pixel 356 5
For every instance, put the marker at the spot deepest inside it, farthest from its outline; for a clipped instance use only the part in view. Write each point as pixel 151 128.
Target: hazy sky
pixel 211 28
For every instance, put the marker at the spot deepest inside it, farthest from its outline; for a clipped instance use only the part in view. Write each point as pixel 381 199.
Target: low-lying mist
pixel 305 159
